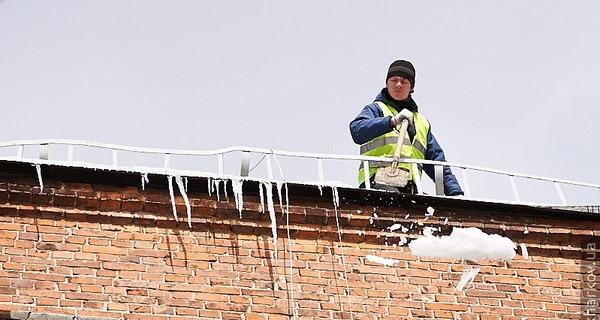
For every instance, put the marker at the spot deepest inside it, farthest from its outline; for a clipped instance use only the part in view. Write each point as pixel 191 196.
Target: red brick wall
pixel 98 251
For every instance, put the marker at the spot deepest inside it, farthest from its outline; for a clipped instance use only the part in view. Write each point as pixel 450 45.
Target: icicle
pixel 291 253
pixel 336 199
pixel 38 168
pixel 209 181
pixel 342 254
pixel 262 198
pixel 215 185
pixel 188 208
pixel 171 193
pixel 279 185
pixel 269 189
pixel 320 189
pixel 144 180
pixel 237 192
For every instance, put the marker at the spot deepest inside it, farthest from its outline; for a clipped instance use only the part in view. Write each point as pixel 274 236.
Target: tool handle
pixel 401 134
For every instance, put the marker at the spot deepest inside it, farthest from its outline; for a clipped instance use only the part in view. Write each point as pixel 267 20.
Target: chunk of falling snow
pixel 403 241
pixel 384 261
pixel 406 217
pixel 420 223
pixel 427 231
pixel 446 221
pixel 430 211
pixel 466 278
pixel 524 251
pixel 404 229
pixel 526 231
pixel 395 227
pixel 465 243
pixel 375 214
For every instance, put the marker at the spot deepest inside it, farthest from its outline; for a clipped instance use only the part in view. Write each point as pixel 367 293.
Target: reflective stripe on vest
pixel 385 145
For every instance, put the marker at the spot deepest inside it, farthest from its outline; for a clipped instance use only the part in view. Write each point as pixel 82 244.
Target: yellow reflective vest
pixel 385 145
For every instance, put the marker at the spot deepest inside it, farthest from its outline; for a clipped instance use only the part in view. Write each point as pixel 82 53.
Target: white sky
pixel 510 85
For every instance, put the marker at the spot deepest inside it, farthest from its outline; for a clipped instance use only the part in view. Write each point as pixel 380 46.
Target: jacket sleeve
pixel 369 124
pixel 435 152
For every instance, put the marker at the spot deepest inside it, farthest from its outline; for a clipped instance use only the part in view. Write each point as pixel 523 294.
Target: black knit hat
pixel 402 68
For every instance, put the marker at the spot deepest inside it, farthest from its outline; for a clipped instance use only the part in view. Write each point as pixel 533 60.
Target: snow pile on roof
pixel 465 243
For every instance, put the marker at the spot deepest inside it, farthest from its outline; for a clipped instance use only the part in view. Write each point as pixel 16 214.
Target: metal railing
pixel 267 155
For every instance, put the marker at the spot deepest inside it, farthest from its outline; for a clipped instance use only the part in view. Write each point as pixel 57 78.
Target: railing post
pixel 320 168
pixel 221 164
pixel 245 169
pixel 439 180
pixel 367 171
pixel 269 167
pixel 44 151
pixel 467 189
pixel 167 159
pixel 115 161
pixel 514 187
pixel 563 200
pixel 417 178
pixel 70 153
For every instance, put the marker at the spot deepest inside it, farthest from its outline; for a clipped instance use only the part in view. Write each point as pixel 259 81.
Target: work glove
pixel 404 114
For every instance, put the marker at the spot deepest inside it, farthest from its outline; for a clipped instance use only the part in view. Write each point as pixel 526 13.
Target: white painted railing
pixel 45 153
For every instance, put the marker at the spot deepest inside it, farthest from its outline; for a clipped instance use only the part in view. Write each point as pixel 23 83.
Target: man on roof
pixel 377 127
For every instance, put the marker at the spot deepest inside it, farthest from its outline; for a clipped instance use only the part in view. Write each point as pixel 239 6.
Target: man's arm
pixel 369 124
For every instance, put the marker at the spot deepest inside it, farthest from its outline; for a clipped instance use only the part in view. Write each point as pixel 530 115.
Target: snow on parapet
pixel 465 243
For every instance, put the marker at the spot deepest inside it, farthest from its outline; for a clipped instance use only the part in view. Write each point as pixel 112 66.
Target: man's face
pixel 398 87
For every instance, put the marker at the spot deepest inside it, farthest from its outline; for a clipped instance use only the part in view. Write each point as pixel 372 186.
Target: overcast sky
pixel 510 85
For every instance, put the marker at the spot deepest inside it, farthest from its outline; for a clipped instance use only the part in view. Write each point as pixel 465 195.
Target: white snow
pixel 188 207
pixel 465 243
pixel 524 251
pixel 237 192
pixel 403 241
pixel 467 277
pixel 427 231
pixel 430 211
pixel 261 195
pixel 271 207
pixel 38 168
pixel 395 227
pixel 172 195
pixel 144 180
pixel 384 261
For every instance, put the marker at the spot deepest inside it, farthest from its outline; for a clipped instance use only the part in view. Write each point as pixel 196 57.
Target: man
pixel 375 129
